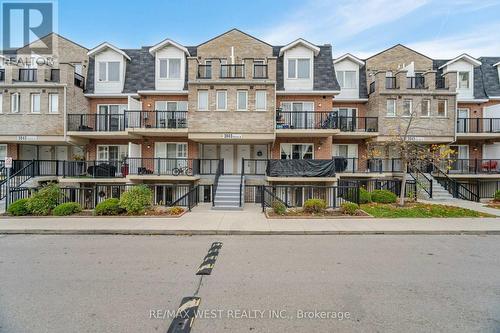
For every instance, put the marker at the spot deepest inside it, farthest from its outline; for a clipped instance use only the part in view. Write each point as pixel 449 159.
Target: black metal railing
pixel 218 173
pixel 478 125
pixel 27 75
pixel 155 119
pixel 346 164
pixel 324 120
pixel 415 82
pixel 17 178
pixel 390 82
pixel 456 189
pixel 234 71
pixel 470 166
pixel 55 75
pixel 260 71
pixel 189 200
pixel 95 169
pixel 422 180
pixel 163 166
pixel 2 75
pixel 79 81
pixel 393 185
pixel 256 167
pixel 242 180
pixel 384 165
pixel 441 83
pixel 204 72
pixel 92 122
pixel 371 88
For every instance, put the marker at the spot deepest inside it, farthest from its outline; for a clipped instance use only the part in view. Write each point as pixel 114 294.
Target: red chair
pixel 489 165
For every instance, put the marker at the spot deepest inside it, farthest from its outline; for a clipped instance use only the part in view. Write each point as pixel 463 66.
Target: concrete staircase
pixel 227 196
pixel 438 192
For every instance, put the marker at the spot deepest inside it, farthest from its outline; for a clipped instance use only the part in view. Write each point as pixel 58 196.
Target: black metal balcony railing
pixel 441 83
pixel 470 166
pixel 95 169
pixel 324 120
pixel 204 72
pixel 129 119
pixel 371 89
pixel 260 71
pixel 384 165
pixel 478 125
pixel 55 75
pixel 232 71
pixel 390 82
pixel 2 75
pixel 171 166
pixel 416 82
pixel 27 75
pixel 79 81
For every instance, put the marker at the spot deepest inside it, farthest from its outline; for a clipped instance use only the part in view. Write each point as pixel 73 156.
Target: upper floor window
pixel 109 71
pixel 221 100
pixel 442 105
pixel 202 100
pixel 171 105
pixel 299 68
pixel 463 80
pixel 242 100
pixel 347 79
pixel 425 108
pixel 170 68
pixel 53 103
pixel 407 108
pixel 35 103
pixel 15 102
pixel 391 108
pixel 260 100
pixel 78 68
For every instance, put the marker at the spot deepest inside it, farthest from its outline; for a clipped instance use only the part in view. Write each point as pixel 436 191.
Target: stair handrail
pixel 456 186
pixel 13 177
pixel 417 181
pixel 241 178
pixel 218 172
pixel 264 204
pixel 190 195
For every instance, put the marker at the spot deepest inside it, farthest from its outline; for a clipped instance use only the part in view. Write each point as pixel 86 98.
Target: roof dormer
pixel 347 68
pixel 170 65
pixel 463 65
pixel 298 65
pixel 110 67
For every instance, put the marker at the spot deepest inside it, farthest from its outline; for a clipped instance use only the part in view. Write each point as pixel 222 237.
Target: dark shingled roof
pixel 479 92
pixel 363 89
pixel 324 71
pixel 491 81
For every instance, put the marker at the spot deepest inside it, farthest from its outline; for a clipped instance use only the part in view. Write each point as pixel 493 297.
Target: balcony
pixel 471 166
pixel 384 165
pixel 276 169
pixel 479 128
pixel 260 71
pixel 2 75
pixel 232 71
pixel 27 75
pixel 204 72
pixel 79 81
pixel 415 82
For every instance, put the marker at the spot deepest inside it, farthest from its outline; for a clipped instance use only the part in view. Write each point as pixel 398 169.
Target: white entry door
pixel 243 151
pixel 45 153
pixel 227 153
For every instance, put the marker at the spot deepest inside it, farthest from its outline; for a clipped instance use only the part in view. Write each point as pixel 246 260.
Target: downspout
pixel 64 113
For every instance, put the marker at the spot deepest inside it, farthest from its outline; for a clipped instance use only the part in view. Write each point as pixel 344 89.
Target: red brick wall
pixel 12 150
pixel 96 101
pixel 476 110
pixel 321 103
pixel 360 106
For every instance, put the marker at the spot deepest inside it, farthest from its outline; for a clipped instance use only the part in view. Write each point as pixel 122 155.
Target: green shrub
pixel 109 206
pixel 349 208
pixel 314 206
pixel 364 196
pixel 383 196
pixel 67 208
pixel 45 200
pixel 19 208
pixel 279 207
pixel 136 199
pixel 496 197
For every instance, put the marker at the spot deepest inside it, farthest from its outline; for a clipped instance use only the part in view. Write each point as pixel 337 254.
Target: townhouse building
pixel 235 113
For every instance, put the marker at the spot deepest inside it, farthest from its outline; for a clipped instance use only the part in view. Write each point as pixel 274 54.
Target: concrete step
pixel 227 208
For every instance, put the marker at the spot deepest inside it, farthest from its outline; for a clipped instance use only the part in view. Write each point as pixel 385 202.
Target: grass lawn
pixel 419 210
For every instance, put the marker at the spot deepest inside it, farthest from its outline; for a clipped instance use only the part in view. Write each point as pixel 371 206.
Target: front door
pixel 209 162
pixel 460 159
pixel 243 151
pixel 462 121
pixel 227 153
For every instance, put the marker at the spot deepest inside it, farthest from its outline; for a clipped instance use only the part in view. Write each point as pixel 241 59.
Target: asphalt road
pixel 259 283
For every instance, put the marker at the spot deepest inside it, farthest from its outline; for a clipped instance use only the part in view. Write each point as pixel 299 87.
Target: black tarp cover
pixel 301 168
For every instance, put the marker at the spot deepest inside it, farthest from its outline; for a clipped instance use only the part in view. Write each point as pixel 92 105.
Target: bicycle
pixel 185 171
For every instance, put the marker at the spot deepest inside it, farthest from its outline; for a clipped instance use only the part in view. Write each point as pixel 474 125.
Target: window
pixel 442 104
pixel 299 68
pixel 407 108
pixel 3 151
pixel 463 80
pixel 242 100
pixel 202 100
pixel 291 68
pixel 260 100
pixel 221 100
pixel 35 103
pixel 171 105
pixel 109 71
pixel 391 108
pixel 78 68
pixel 425 108
pixel 1 103
pixel 347 79
pixel 15 102
pixel 112 153
pixel 170 68
pixel 53 103
pixel 297 151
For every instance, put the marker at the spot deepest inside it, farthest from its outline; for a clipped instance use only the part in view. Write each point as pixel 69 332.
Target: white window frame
pixel 35 107
pixel 106 72
pixel 410 111
pixel 218 107
pixel 51 104
pixel 290 148
pixel 207 99
pixel 168 60
pixel 445 108
pixel 342 76
pixel 394 104
pixel 123 147
pixel 428 102
pixel 468 80
pixel 296 69
pixel 265 100
pixel 238 100
pixel 17 98
pixel 4 145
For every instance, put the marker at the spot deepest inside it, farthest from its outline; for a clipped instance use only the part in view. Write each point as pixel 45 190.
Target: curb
pixel 244 232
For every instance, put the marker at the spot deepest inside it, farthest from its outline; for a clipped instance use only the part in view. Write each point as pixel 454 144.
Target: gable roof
pixel 351 57
pixel 401 45
pixel 495 65
pixel 464 56
pixel 230 30
pixel 489 75
pixel 166 42
pixel 106 45
pixel 300 41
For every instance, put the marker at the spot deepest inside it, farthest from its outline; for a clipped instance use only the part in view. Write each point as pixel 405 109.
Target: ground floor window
pixel 3 151
pixel 302 151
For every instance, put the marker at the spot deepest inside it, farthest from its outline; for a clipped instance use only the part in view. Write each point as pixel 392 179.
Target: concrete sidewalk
pixel 203 221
